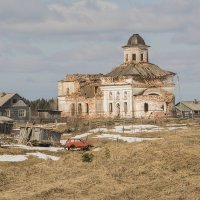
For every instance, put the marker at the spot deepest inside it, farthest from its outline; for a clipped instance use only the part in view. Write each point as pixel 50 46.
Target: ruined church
pixel 134 89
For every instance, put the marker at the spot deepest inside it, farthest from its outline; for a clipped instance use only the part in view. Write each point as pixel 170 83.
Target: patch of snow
pixel 82 135
pixel 126 139
pixel 175 128
pixel 131 129
pixel 52 149
pixel 96 149
pixel 62 142
pixel 12 158
pixel 172 125
pixel 43 156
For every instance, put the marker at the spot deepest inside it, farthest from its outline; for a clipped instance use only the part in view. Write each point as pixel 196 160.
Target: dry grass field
pixel 163 169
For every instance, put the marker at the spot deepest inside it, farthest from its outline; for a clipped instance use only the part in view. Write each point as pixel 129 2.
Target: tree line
pixel 42 104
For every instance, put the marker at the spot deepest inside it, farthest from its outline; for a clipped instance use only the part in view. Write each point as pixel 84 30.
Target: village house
pixel 134 89
pixel 188 109
pixel 13 106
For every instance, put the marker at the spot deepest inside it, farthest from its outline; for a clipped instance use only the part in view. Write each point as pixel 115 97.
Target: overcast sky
pixel 43 40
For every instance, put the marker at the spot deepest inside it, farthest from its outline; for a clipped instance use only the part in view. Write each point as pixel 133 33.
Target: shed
pixel 48 113
pixel 6 124
pixel 38 136
pixel 188 109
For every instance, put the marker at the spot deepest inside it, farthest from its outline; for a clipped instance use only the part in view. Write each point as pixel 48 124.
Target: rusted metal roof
pixel 4 97
pixel 140 70
pixel 188 105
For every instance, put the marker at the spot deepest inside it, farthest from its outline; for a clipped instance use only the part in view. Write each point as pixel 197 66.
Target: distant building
pixel 134 89
pixel 12 105
pixel 188 109
pixel 48 114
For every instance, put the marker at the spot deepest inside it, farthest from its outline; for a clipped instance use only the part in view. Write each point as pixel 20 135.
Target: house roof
pixel 4 97
pixel 141 70
pixel 188 105
pixel 5 119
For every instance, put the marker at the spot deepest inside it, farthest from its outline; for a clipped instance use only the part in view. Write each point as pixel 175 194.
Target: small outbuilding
pixel 6 125
pixel 48 114
pixel 188 109
pixel 38 136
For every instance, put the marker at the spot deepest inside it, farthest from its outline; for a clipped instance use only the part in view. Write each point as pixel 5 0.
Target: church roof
pixel 135 40
pixel 141 70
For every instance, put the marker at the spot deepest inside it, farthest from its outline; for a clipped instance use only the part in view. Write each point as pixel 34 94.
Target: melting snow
pixel 18 158
pixel 131 129
pixel 12 158
pixel 43 156
pixel 126 139
pixel 52 149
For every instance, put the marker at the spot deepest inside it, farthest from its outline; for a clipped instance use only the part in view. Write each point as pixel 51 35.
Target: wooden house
pixel 13 106
pixel 188 109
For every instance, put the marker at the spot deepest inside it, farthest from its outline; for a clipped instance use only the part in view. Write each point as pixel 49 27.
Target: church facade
pixel 134 89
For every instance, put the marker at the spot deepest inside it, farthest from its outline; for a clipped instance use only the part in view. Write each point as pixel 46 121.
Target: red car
pixel 76 143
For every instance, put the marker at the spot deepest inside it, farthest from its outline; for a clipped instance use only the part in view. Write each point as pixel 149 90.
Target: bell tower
pixel 135 50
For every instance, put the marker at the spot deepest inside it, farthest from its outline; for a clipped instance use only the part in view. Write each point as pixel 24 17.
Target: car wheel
pixel 72 147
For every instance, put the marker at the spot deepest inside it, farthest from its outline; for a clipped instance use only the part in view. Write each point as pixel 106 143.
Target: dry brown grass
pixel 164 169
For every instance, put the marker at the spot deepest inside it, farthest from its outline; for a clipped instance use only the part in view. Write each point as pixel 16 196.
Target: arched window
pixel 125 95
pixel 134 57
pixel 72 109
pixel 118 109
pixel 87 108
pixel 146 107
pixel 125 108
pixel 141 57
pixel 110 108
pixel 118 95
pixel 79 108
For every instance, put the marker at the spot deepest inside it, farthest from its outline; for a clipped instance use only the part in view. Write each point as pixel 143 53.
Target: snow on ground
pixel 82 135
pixel 52 149
pixel 12 158
pixel 19 158
pixel 126 139
pixel 131 129
pixel 43 156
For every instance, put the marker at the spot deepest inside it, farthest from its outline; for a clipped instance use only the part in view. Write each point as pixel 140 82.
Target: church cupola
pixel 135 50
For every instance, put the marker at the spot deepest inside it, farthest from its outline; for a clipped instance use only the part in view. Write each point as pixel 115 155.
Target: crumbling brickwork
pixel 136 88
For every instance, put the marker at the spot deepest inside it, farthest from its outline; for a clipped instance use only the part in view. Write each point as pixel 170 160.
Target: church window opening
pixel 118 109
pixel 118 95
pixel 72 109
pixel 110 108
pixel 87 108
pixel 134 56
pixel 125 108
pixel 79 108
pixel 125 95
pixel 95 89
pixel 146 107
pixel 142 57
pixel 126 57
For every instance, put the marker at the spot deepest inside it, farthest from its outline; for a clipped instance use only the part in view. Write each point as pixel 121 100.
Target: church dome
pixel 135 39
